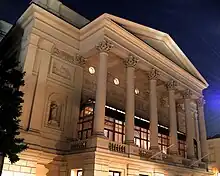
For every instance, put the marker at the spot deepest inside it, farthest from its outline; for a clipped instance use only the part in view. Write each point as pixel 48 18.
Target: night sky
pixel 193 24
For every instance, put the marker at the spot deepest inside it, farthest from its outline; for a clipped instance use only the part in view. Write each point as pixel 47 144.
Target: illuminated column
pixel 153 75
pixel 202 129
pixel 103 47
pixel 189 125
pixel 197 135
pixel 130 63
pixel 171 85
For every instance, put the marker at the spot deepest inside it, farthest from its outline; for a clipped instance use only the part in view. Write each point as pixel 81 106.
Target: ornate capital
pixel 153 74
pixel 171 85
pixel 79 60
pixel 200 102
pixel 187 94
pixel 104 46
pixel 131 61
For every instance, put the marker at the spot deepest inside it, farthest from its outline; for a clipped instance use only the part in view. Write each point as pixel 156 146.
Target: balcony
pixel 103 144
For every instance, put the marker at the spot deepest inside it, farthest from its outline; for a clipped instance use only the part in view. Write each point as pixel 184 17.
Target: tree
pixel 11 99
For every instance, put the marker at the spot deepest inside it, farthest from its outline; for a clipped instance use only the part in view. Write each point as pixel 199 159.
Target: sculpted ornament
pixel 54 114
pixel 187 94
pixel 78 60
pixel 104 46
pixel 200 102
pixel 153 74
pixel 131 61
pixel 171 85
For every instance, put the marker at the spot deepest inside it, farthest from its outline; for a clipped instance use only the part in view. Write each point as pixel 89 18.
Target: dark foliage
pixel 11 78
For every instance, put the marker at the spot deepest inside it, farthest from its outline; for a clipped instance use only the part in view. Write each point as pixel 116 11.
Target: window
pixel 114 130
pixel 85 123
pixel 79 173
pixel 195 148
pixel 142 137
pixel 182 148
pixel 163 141
pixel 114 173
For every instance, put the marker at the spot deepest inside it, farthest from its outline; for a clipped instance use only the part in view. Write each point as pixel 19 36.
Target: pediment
pixel 160 42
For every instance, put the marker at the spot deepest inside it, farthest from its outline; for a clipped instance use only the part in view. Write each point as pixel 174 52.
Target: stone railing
pixel 78 145
pixel 120 148
pixel 145 153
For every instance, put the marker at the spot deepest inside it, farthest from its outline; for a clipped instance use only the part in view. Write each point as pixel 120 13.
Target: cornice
pixel 37 13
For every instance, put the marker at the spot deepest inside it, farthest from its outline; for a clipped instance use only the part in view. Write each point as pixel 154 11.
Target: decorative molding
pixel 187 94
pixel 163 102
pixel 77 60
pixel 200 102
pixel 131 61
pixel 61 71
pixel 153 74
pixel 104 46
pixel 116 147
pixel 171 85
pixel 78 145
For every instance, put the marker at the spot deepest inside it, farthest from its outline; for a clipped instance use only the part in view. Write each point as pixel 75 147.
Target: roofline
pixel 164 36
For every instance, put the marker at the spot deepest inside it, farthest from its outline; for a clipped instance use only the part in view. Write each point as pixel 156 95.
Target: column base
pixel 99 134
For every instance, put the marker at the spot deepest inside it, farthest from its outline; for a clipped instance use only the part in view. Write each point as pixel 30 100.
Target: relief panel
pixel 62 72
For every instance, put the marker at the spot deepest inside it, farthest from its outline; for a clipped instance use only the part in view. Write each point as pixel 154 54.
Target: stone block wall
pixel 21 168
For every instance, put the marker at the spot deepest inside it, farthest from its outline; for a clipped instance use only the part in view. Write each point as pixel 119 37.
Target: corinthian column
pixel 202 129
pixel 103 47
pixel 189 125
pixel 130 64
pixel 171 85
pixel 152 76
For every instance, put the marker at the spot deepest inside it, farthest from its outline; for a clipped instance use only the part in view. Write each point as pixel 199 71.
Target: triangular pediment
pixel 161 42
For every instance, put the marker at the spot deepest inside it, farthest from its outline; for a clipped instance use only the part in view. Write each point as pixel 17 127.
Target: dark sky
pixel 193 24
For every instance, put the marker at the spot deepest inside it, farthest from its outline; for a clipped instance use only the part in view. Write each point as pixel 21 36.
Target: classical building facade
pixel 214 154
pixel 106 98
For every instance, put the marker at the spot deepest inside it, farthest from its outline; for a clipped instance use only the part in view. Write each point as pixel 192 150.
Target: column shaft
pixel 153 116
pixel 173 123
pixel 99 119
pixel 129 116
pixel 202 130
pixel 189 130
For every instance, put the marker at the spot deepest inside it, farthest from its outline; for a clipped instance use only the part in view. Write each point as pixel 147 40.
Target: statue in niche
pixel 54 114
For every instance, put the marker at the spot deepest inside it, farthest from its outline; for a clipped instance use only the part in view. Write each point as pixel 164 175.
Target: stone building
pixel 108 97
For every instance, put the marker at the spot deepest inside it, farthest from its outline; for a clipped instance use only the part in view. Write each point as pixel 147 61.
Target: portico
pixel 125 99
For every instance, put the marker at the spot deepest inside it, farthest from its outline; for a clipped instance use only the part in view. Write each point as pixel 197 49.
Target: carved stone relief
pixel 55 112
pixel 61 70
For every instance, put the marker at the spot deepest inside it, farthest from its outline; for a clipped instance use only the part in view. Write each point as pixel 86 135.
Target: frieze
pixel 78 60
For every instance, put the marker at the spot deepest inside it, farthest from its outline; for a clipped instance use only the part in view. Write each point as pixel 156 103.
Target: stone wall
pixel 21 168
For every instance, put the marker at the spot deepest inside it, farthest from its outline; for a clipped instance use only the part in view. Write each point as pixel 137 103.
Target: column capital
pixel 200 102
pixel 131 61
pixel 79 60
pixel 153 74
pixel 171 85
pixel 187 94
pixel 104 46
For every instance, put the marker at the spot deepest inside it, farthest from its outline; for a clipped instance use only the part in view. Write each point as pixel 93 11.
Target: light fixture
pixel 91 70
pixel 116 81
pixel 136 91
